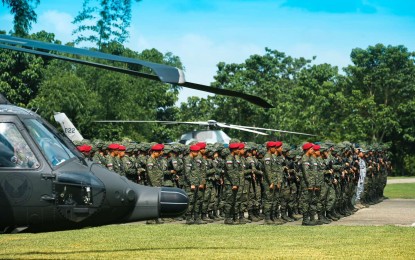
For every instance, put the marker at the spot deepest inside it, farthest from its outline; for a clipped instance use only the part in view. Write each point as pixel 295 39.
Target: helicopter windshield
pixel 14 151
pixel 53 149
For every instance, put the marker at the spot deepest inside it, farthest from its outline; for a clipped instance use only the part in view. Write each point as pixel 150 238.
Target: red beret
pixel 271 144
pixel 202 145
pixel 234 146
pixel 157 147
pixel 113 146
pixel 195 148
pixel 87 148
pixel 278 144
pixel 80 148
pixel 241 145
pixel 121 148
pixel 316 147
pixel 307 146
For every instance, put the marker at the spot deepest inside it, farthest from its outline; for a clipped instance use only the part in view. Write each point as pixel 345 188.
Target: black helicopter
pixel 46 184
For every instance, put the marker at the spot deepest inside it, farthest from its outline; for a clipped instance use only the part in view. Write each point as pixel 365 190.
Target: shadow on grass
pixel 118 250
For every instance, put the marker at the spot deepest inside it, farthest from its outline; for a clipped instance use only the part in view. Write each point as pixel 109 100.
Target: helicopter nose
pixel 173 202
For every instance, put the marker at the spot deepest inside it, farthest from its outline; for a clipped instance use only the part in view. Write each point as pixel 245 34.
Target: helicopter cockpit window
pixel 205 135
pixel 14 151
pixel 53 149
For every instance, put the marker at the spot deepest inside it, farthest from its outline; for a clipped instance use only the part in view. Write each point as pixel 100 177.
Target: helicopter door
pixel 19 175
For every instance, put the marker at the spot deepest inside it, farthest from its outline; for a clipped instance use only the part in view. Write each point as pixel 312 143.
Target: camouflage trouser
pixel 328 196
pixel 244 189
pixel 232 201
pixel 254 196
pixel 220 197
pixel 195 201
pixel 337 194
pixel 285 197
pixel 209 198
pixel 293 197
pixel 269 199
pixel 366 191
pixel 310 202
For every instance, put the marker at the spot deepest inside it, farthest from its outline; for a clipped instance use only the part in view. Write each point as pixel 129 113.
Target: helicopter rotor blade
pixel 130 121
pixel 274 130
pixel 240 128
pixel 165 73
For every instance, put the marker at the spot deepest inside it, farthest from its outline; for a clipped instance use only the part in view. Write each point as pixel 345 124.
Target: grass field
pixel 400 191
pixel 399 177
pixel 179 241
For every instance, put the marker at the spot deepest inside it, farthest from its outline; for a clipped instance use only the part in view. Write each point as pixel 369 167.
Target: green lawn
pixel 399 177
pixel 179 241
pixel 400 191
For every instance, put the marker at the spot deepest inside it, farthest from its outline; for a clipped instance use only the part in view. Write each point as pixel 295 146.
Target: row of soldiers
pixel 273 182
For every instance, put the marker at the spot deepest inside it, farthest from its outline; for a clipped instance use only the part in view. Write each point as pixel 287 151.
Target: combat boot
pixel 151 221
pixel 286 217
pixel 206 219
pixel 267 220
pixel 252 217
pixel 306 220
pixel 323 219
pixel 313 221
pixel 189 219
pixel 218 217
pixel 229 221
pixel 331 216
pixel 279 221
pixel 339 213
pixel 198 220
pixel 159 221
pixel 294 214
pixel 242 219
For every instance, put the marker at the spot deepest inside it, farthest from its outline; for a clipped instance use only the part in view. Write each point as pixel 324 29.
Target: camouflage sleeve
pixel 267 170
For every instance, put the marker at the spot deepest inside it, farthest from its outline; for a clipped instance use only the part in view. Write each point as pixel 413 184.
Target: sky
pixel 205 32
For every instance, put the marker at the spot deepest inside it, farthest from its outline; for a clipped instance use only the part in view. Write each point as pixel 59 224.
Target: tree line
pixel 370 101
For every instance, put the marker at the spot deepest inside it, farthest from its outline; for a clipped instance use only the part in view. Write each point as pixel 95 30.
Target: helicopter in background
pixel 46 184
pixel 213 133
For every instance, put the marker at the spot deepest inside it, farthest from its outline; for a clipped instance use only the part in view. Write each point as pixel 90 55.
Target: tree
pixel 111 17
pixel 272 76
pixel 24 15
pixel 384 77
pixel 21 74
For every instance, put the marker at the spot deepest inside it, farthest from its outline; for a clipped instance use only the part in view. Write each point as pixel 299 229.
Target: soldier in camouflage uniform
pixel 324 180
pixel 292 182
pixel 155 172
pixel 246 173
pixel 279 188
pixel 99 153
pixel 141 160
pixel 251 173
pixel 129 163
pixel 194 186
pixel 109 158
pixel 287 185
pixel 232 180
pixel 310 198
pixel 270 182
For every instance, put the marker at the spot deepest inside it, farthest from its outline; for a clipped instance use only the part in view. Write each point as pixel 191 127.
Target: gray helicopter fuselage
pixel 208 136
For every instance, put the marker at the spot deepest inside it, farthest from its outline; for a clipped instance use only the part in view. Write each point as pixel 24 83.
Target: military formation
pixel 242 182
